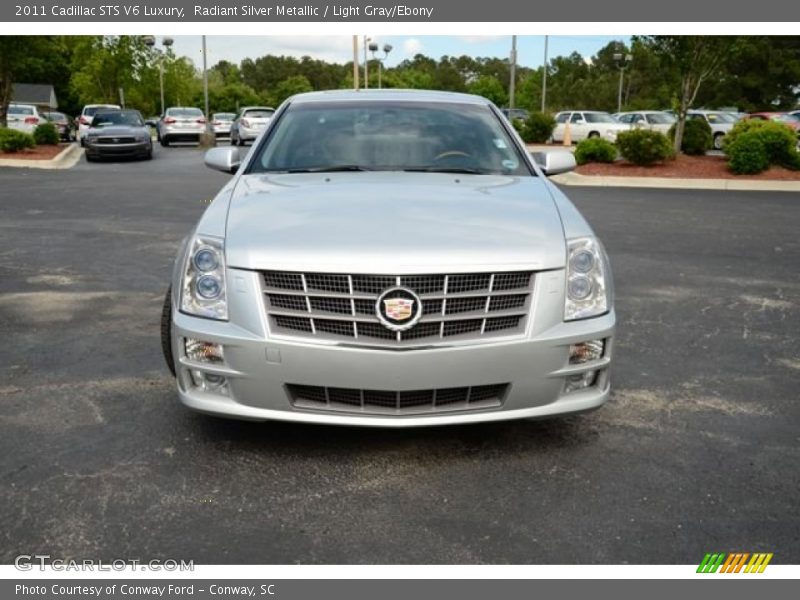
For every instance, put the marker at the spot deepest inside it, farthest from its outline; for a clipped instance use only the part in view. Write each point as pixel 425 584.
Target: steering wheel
pixel 452 154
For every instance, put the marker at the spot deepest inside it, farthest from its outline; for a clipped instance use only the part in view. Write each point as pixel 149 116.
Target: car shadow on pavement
pixel 484 438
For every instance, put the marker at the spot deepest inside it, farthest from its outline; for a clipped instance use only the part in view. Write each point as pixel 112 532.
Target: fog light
pixel 580 381
pixel 200 351
pixel 586 352
pixel 209 382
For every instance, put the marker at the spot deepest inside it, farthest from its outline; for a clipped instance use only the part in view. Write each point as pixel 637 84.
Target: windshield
pixel 720 118
pixel 660 118
pixel 107 119
pixel 90 111
pixel 389 136
pixel 785 118
pixel 184 112
pixel 599 118
pixel 259 113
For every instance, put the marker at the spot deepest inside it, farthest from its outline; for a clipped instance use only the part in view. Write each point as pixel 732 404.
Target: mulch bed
pixel 38 153
pixel 690 167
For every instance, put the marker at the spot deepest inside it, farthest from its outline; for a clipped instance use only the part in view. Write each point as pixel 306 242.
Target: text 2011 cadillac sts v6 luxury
pixel 390 258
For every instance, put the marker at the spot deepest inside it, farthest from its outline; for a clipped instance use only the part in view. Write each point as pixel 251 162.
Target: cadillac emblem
pixel 398 309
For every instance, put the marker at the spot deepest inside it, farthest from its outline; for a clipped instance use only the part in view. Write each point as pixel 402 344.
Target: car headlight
pixel 141 138
pixel 203 290
pixel 589 289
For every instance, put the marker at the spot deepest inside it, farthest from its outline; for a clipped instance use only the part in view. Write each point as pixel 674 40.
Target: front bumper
pixel 136 149
pixel 182 133
pixel 258 367
pixel 249 133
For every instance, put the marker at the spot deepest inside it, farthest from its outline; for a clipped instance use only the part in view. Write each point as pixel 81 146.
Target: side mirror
pixel 553 163
pixel 225 159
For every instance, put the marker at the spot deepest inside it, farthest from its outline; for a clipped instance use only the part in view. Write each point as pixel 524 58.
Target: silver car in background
pixel 181 124
pixel 24 117
pixel 721 123
pixel 390 258
pixel 249 124
pixel 221 123
pixel 654 120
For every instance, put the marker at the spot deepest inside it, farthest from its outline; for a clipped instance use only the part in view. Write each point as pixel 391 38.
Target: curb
pixel 66 159
pixel 738 185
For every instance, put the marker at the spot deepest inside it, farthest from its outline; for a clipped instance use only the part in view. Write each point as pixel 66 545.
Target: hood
pixel 390 222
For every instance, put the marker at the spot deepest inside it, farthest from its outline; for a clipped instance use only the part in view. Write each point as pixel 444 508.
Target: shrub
pixel 779 140
pixel 644 147
pixel 45 134
pixel 519 125
pixel 696 137
pixel 538 128
pixel 12 140
pixel 747 153
pixel 595 150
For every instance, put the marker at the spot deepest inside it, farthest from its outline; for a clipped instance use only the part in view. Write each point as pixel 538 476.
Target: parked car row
pixel 585 124
pixel 27 117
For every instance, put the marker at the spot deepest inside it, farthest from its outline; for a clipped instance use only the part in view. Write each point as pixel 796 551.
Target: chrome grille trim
pixel 397 402
pixel 329 307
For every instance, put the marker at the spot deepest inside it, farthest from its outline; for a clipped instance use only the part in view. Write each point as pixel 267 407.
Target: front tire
pixel 166 331
pixel 718 141
pixel 594 135
pixel 165 141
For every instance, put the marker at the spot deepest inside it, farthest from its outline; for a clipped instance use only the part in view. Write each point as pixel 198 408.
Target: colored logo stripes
pixel 735 562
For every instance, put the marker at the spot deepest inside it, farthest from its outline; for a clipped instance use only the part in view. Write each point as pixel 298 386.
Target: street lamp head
pixel 628 57
pixel 387 48
pixel 167 41
pixel 617 56
pixel 373 47
pixel 149 40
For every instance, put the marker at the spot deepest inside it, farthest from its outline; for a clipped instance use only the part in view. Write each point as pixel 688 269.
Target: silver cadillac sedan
pixel 394 259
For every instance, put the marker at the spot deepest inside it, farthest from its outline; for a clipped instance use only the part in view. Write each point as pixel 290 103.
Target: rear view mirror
pixel 225 159
pixel 554 162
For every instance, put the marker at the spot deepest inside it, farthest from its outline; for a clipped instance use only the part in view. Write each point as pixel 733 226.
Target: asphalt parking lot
pixel 697 451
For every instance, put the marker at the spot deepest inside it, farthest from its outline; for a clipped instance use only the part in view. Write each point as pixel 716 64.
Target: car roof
pixel 388 95
pixel 100 106
pixel 646 112
pixel 256 108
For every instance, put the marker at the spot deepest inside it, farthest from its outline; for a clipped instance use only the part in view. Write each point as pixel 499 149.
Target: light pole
pixel 373 47
pixel 209 139
pixel 150 40
pixel 622 60
pixel 544 76
pixel 366 62
pixel 355 62
pixel 512 81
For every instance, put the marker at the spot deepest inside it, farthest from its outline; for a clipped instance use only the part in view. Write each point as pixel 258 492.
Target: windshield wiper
pixel 330 169
pixel 465 170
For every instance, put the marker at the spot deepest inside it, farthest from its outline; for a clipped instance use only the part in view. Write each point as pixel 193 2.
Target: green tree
pixel 296 84
pixel 491 89
pixel 696 58
pixel 20 56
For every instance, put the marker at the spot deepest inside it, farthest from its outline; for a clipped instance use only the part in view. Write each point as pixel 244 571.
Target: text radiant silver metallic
pixel 384 294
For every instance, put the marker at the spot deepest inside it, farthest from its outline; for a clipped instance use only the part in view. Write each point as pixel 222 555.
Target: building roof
pixel 34 93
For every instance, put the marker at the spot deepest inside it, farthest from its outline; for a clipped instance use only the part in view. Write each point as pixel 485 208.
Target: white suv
pixel 86 116
pixel 585 124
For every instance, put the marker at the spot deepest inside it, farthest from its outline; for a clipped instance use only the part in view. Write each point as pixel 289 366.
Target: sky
pixel 530 48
